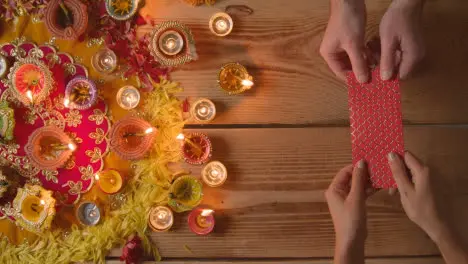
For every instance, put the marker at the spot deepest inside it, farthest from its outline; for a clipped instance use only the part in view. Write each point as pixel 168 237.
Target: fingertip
pixel 361 164
pixel 386 75
pixel 392 191
pixel 392 157
pixel 363 77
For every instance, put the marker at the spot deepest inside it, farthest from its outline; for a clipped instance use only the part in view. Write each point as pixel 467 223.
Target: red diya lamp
pixel 201 221
pixel 49 148
pixel 196 148
pixel 66 19
pixel 30 81
pixel 131 138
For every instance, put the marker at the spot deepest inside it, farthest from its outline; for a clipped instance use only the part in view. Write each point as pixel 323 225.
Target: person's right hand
pixel 417 195
pixel 343 43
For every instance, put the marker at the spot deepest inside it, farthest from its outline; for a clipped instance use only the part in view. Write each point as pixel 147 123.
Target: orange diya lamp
pixel 234 78
pixel 131 138
pixel 201 221
pixel 196 148
pixel 49 148
pixel 110 181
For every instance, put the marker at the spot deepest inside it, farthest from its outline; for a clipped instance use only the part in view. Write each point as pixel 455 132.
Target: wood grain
pixel 272 205
pixel 279 43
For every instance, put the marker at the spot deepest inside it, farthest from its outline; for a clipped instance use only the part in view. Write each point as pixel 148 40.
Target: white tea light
pixel 128 97
pixel 221 24
pixel 214 174
pixel 203 110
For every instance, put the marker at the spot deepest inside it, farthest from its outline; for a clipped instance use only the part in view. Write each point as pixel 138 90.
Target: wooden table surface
pixel 283 141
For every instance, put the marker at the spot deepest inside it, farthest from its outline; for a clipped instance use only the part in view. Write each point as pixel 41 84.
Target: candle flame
pixel 247 83
pixel 206 212
pixel 29 95
pixel 180 136
pixel 149 130
pixel 66 102
pixel 96 177
pixel 42 202
pixel 71 146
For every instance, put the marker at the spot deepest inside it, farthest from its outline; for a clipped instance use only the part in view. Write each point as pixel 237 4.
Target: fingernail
pixel 363 78
pixel 392 156
pixel 361 164
pixel 386 75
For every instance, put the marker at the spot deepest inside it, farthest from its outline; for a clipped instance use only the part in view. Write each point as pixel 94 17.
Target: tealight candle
pixel 88 213
pixel 221 24
pixel 128 97
pixel 203 110
pixel 160 218
pixel 171 42
pixel 214 174
pixel 110 181
pixel 104 61
pixel 234 78
pixel 201 221
pixel 3 66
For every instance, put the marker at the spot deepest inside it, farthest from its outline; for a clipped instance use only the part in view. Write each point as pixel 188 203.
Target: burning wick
pixel 171 44
pixel 180 136
pixel 29 95
pixel 42 202
pixel 207 212
pixel 66 102
pixel 147 132
pixel 69 146
pixel 202 219
pixel 203 110
pixel 247 83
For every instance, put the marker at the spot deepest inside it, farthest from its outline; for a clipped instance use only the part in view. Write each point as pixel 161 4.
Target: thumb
pixel 387 61
pixel 358 182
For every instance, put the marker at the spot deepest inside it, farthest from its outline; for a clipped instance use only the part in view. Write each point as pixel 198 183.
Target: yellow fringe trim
pixel 148 187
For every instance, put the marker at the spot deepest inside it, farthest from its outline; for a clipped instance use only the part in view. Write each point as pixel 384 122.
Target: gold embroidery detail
pixel 86 172
pixel 58 102
pixel 95 154
pixel 75 137
pixel 70 163
pixel 51 176
pixel 61 197
pixel 12 148
pixel 35 181
pixel 75 187
pixel 73 118
pixel 70 69
pixel 98 136
pixel 97 116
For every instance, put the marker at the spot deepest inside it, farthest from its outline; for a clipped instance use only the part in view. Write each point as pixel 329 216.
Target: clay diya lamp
pixel 196 148
pixel 203 110
pixel 201 221
pixel 221 24
pixel 160 218
pixel 7 122
pixel 49 148
pixel 131 138
pixel 88 213
pixel 30 81
pixel 121 9
pixel 34 208
pixel 110 181
pixel 80 93
pixel 214 174
pixel 104 61
pixel 234 78
pixel 172 44
pixel 185 193
pixel 66 19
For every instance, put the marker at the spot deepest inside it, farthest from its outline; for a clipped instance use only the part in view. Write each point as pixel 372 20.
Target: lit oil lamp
pixel 121 9
pixel 104 61
pixel 80 93
pixel 214 174
pixel 203 110
pixel 221 24
pixel 171 42
pixel 160 219
pixel 185 193
pixel 110 181
pixel 3 66
pixel 196 148
pixel 234 78
pixel 131 138
pixel 88 213
pixel 49 148
pixel 128 97
pixel 201 221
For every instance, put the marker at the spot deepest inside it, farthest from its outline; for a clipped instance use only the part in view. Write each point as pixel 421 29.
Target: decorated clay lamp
pixel 172 44
pixel 121 9
pixel 34 208
pixel 234 78
pixel 214 174
pixel 196 148
pixel 88 213
pixel 201 221
pixel 30 80
pixel 128 97
pixel 186 193
pixel 131 138
pixel 4 184
pixel 3 66
pixel 104 61
pixel 49 148
pixel 160 219
pixel 80 93
pixel 110 181
pixel 7 122
pixel 203 110
pixel 66 19
pixel 221 24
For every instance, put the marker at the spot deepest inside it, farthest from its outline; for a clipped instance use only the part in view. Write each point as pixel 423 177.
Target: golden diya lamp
pixel 128 97
pixel 160 218
pixel 121 9
pixel 131 138
pixel 196 148
pixel 3 66
pixel 49 148
pixel 201 221
pixel 221 24
pixel 234 78
pixel 30 81
pixel 203 110
pixel 214 174
pixel 88 213
pixel 66 19
pixel 110 181
pixel 172 44
pixel 7 122
pixel 80 93
pixel 34 208
pixel 104 61
pixel 185 194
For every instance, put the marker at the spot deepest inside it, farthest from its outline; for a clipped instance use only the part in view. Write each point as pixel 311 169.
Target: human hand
pixel 343 43
pixel 346 198
pixel 401 38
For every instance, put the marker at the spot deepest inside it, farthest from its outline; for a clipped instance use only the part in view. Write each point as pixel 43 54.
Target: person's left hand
pixel 401 38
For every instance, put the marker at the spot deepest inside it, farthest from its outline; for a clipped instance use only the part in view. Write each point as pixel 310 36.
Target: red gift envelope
pixel 376 125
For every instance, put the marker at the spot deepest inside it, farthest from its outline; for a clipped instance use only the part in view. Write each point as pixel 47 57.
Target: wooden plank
pixel 422 260
pixel 279 43
pixel 273 206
